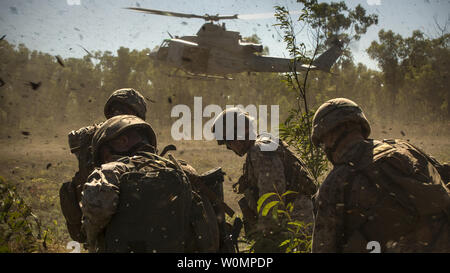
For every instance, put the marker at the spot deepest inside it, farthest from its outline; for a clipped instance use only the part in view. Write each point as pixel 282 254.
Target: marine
pixel 386 191
pixel 121 101
pixel 270 166
pixel 137 201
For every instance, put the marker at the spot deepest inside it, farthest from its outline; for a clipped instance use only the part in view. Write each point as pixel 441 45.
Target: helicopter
pixel 215 52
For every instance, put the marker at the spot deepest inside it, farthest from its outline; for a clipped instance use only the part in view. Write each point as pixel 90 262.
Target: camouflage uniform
pixel 80 145
pixel 270 167
pixel 101 200
pixel 385 191
pixel 267 171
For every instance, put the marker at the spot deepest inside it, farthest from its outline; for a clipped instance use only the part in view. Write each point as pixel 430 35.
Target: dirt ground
pixel 38 164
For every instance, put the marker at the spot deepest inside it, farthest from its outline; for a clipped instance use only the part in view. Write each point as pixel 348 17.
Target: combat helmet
pixel 129 97
pixel 235 129
pixel 116 125
pixel 335 112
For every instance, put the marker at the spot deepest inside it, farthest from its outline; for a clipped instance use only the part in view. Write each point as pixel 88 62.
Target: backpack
pixel 409 184
pixel 155 206
pixel 425 190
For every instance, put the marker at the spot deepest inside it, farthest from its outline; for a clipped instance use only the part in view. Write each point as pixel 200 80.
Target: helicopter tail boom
pixel 325 61
pixel 280 65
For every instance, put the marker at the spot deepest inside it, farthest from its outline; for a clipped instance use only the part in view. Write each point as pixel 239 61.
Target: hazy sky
pixel 57 26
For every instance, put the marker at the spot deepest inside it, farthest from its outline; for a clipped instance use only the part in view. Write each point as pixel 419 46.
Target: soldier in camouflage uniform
pixel 270 166
pixel 122 101
pixel 385 191
pixel 156 210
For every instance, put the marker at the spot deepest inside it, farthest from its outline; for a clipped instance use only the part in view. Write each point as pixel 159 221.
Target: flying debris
pixel 60 61
pixel 25 133
pixel 33 85
pixel 13 10
pixel 150 100
pixel 89 53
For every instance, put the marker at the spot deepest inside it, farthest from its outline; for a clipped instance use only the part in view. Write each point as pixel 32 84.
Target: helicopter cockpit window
pixel 165 44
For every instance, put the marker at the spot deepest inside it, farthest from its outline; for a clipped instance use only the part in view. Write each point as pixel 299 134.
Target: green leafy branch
pixel 20 229
pixel 291 235
pixel 296 130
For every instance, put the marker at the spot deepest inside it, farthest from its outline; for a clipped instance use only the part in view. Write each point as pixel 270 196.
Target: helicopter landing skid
pixel 192 76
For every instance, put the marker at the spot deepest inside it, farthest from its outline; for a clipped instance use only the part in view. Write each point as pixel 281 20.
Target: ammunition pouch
pixel 71 211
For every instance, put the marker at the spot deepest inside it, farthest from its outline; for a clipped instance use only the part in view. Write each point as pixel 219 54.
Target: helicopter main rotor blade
pixel 167 13
pixel 206 17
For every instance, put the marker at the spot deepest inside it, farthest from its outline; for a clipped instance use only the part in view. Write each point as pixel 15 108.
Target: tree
pixel 414 70
pixel 335 21
pixel 389 55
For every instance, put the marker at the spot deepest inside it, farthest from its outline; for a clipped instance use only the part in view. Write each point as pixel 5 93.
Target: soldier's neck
pixel 345 145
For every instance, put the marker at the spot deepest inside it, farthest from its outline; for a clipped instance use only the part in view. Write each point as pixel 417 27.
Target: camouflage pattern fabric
pixel 71 211
pixel 119 191
pixel 128 97
pixel 387 192
pixel 276 171
pixel 215 212
pixel 334 112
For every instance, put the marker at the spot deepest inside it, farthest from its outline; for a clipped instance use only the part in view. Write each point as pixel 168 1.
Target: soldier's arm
pixel 328 222
pixel 100 198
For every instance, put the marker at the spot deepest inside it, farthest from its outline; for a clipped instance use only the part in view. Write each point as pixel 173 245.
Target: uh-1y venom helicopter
pixel 216 52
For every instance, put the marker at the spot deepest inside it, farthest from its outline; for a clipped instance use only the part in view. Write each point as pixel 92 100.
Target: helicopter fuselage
pixel 213 51
pixel 216 51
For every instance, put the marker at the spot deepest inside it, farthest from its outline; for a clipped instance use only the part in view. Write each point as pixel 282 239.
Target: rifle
pixel 236 230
